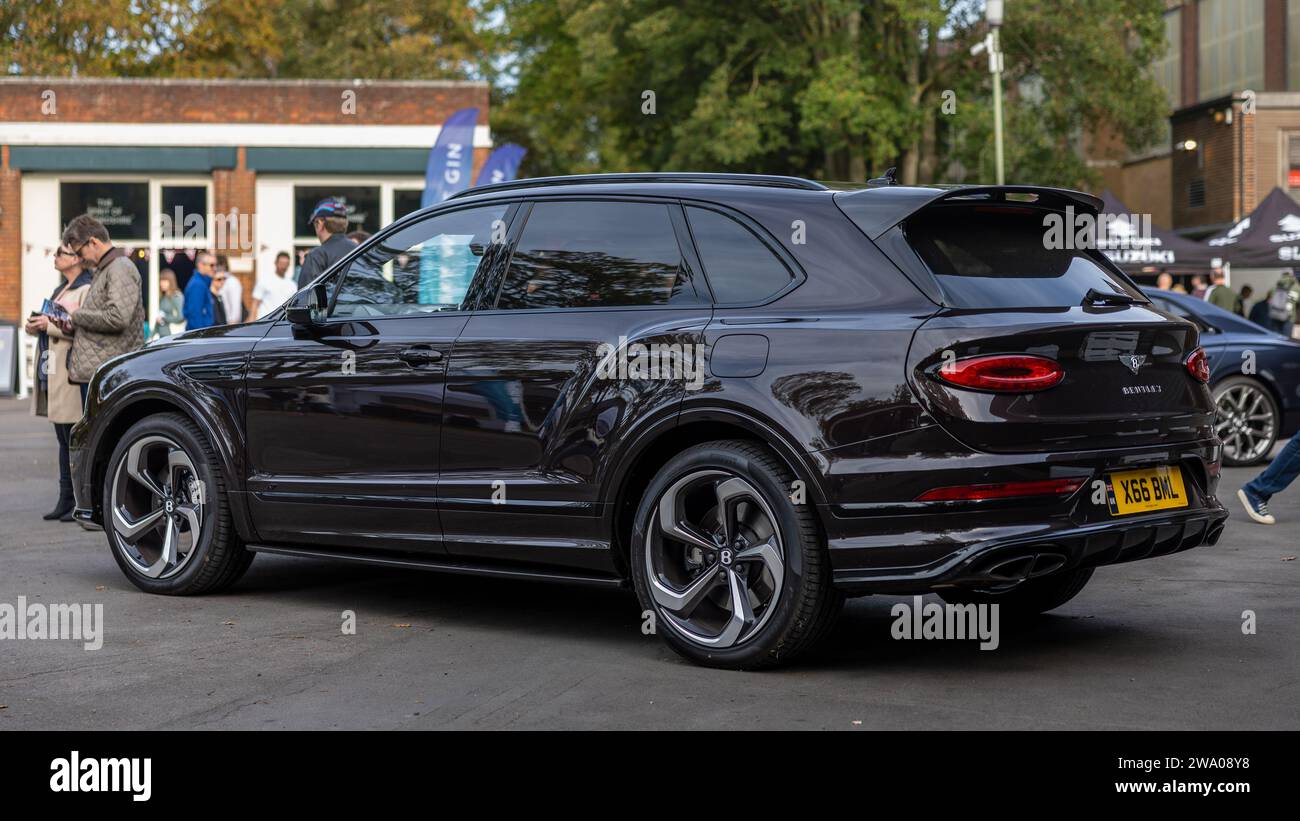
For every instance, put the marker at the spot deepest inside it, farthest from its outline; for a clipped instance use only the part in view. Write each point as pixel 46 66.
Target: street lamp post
pixel 993 14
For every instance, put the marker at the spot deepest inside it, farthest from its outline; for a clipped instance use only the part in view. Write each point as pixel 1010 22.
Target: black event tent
pixel 1162 248
pixel 1268 238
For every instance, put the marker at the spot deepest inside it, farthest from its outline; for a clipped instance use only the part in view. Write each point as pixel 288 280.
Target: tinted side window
pixel 596 254
pixel 423 268
pixel 739 267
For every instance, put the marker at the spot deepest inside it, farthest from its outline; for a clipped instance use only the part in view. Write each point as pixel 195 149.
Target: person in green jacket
pixel 1220 294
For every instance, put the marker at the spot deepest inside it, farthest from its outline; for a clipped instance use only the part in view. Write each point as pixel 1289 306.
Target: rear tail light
pixel 1002 490
pixel 1198 366
pixel 1003 373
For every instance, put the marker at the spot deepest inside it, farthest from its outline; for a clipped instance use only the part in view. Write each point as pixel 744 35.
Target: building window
pixel 362 202
pixel 123 207
pixel 1196 193
pixel 406 201
pixel 183 212
pixel 1293 165
pixel 1167 71
pixel 1231 45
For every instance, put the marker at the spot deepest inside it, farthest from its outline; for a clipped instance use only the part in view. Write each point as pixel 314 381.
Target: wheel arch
pixel 660 443
pixel 152 401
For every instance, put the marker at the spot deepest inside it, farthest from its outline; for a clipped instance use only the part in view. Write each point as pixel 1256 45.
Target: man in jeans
pixel 1275 479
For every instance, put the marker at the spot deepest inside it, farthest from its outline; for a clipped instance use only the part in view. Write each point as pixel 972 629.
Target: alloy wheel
pixel 714 558
pixel 1244 422
pixel 157 500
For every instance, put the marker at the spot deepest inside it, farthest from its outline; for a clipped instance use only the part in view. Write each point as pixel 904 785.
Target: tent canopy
pixel 1161 248
pixel 1268 238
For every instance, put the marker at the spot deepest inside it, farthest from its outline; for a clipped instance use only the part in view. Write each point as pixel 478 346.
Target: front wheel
pixel 165 510
pixel 735 573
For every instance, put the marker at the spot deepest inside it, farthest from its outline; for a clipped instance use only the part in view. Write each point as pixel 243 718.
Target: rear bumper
pixel 880 543
pixel 1014 557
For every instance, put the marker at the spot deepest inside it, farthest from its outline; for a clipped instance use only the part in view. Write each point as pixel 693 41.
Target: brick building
pixel 234 165
pixel 1232 73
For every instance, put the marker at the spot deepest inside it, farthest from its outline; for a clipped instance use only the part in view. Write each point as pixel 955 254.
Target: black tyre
pixel 1028 598
pixel 166 513
pixel 735 572
pixel 1247 420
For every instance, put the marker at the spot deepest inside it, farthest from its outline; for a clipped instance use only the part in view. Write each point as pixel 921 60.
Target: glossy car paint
pixel 411 462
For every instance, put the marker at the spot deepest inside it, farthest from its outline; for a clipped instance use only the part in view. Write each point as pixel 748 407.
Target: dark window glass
pixel 996 258
pixel 123 207
pixel 183 213
pixel 405 201
pixel 596 254
pixel 362 202
pixel 423 268
pixel 739 267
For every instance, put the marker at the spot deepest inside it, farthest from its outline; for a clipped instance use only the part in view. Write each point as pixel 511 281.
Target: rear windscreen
pixel 999 257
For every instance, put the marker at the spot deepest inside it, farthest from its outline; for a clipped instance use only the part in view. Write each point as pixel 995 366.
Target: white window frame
pixel 156 242
pixel 387 185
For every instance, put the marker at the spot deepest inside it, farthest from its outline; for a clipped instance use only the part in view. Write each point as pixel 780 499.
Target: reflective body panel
pixel 497 438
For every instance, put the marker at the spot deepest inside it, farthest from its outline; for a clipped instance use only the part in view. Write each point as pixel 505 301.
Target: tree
pixel 833 89
pixel 70 38
pixel 334 39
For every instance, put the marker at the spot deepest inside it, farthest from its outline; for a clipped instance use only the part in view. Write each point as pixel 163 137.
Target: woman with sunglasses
pixel 54 396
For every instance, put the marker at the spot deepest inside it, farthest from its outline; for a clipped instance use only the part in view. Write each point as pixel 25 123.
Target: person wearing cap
pixel 330 222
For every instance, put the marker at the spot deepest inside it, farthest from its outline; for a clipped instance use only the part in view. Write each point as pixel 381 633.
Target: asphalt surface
pixel 1153 644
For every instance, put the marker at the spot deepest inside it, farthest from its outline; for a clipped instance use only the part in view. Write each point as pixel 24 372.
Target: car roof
pixel 876 206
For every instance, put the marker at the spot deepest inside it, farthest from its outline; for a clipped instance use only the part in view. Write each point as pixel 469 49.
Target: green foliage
pixel 328 39
pixel 833 89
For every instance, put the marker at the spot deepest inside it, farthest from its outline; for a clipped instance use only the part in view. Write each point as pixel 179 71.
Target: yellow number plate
pixel 1138 491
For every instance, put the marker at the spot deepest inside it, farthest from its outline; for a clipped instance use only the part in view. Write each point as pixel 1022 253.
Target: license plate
pixel 1139 491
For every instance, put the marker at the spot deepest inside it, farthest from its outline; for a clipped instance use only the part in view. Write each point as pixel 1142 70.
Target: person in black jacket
pixel 330 222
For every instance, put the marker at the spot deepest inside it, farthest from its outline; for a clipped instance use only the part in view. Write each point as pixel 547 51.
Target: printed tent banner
pixel 1134 244
pixel 1268 238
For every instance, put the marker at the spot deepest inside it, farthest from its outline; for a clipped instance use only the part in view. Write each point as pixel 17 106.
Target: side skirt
pixel 445 566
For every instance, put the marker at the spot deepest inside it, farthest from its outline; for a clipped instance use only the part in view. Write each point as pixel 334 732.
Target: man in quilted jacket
pixel 110 319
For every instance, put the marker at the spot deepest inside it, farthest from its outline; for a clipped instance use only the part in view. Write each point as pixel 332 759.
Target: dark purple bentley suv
pixel 745 397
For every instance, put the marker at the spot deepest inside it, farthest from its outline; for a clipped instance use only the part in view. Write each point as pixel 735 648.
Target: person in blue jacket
pixel 198 293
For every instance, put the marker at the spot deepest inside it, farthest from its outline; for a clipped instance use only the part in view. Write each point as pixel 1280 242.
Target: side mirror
pixel 308 307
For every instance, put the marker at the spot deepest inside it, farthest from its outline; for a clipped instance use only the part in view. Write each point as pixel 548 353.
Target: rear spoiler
pixel 875 210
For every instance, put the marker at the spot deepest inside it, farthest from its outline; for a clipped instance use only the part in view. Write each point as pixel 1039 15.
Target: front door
pixel 344 418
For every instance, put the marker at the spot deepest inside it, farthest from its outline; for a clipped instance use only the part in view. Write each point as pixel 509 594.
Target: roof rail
pixel 770 180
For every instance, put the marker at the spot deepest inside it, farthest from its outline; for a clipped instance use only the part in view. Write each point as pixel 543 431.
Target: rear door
pixel 542 382
pixel 1009 286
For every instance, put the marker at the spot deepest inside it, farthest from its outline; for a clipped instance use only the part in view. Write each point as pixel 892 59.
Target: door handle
pixel 417 356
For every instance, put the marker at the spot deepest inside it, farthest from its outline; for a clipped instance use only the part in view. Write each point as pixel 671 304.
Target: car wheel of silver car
pixel 1246 421
pixel 734 571
pixel 165 510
